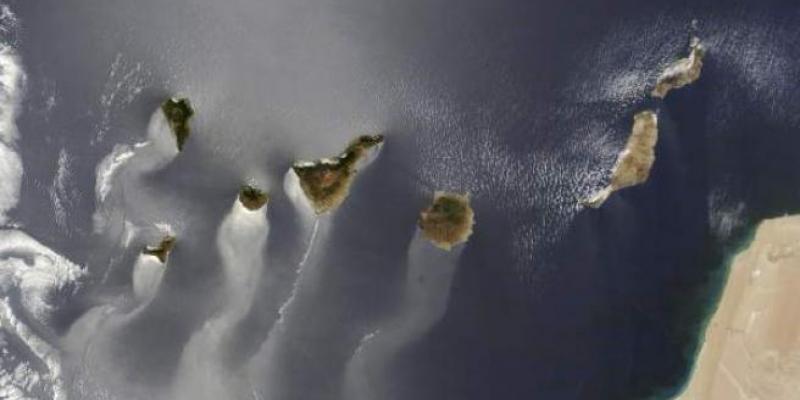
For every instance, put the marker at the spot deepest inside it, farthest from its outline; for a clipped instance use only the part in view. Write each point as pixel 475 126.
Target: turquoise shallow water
pixel 700 315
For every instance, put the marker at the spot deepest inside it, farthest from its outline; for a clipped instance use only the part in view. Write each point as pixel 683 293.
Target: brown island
pixel 162 250
pixel 681 72
pixel 252 198
pixel 635 161
pixel 448 220
pixel 326 182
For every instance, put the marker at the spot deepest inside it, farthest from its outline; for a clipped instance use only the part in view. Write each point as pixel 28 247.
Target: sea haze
pixel 524 105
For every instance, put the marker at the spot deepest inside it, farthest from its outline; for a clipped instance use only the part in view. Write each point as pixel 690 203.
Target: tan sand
pixel 681 72
pixel 752 343
pixel 636 159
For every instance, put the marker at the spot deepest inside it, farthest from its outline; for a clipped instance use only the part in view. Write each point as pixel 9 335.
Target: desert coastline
pixel 751 346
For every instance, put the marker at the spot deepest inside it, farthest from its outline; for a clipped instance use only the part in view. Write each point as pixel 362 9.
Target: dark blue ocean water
pixel 598 304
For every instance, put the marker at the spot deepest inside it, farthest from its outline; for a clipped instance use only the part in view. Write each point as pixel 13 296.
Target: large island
pixel 326 182
pixel 634 161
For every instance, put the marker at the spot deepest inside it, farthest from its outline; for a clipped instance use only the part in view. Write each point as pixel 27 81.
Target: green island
pixel 178 111
pixel 252 198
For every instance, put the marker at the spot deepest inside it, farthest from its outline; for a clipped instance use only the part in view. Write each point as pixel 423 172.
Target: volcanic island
pixel 448 220
pixel 326 182
pixel 178 111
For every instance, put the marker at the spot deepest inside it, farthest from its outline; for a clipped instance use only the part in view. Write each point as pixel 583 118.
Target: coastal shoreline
pixel 742 354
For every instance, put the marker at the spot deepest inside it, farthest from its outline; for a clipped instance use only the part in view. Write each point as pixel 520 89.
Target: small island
pixel 448 220
pixel 326 182
pixel 252 198
pixel 178 111
pixel 162 250
pixel 635 161
pixel 681 72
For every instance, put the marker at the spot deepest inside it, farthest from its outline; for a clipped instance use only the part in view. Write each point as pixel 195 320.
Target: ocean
pixel 522 104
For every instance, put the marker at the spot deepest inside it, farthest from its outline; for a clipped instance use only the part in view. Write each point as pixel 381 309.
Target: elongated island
pixel 326 182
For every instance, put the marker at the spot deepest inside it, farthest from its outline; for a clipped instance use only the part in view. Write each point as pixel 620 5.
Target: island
pixel 636 159
pixel 326 182
pixel 162 250
pixel 448 220
pixel 752 342
pixel 681 72
pixel 178 111
pixel 252 198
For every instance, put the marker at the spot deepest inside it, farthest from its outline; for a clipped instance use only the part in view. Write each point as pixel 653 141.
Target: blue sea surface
pixel 522 104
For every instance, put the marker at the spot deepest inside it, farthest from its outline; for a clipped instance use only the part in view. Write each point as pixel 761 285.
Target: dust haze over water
pixel 472 98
